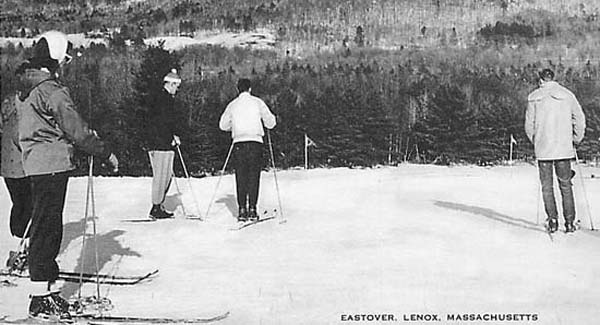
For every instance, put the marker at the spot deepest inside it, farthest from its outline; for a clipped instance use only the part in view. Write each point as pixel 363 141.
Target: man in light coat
pixel 245 117
pixel 554 122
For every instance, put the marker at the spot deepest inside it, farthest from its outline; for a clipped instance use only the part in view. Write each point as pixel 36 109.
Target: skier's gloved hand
pixel 112 159
pixel 176 141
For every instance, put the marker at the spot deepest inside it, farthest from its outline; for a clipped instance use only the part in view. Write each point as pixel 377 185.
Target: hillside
pixel 371 82
pixel 303 25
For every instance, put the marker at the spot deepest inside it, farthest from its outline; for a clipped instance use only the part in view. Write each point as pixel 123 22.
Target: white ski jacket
pixel 554 121
pixel 245 117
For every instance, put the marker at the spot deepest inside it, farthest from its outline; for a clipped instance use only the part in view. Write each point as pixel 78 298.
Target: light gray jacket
pixel 12 164
pixel 554 121
pixel 50 128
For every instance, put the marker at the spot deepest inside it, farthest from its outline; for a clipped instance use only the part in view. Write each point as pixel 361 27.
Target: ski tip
pixel 139 220
pixel 194 217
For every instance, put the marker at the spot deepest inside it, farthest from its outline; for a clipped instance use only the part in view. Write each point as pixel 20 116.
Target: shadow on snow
pixel 108 248
pixel 491 214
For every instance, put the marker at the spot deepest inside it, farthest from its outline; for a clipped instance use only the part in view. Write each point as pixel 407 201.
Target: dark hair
pixel 547 75
pixel 244 85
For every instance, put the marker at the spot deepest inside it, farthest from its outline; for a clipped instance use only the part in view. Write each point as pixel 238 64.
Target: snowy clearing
pixel 413 239
pixel 259 39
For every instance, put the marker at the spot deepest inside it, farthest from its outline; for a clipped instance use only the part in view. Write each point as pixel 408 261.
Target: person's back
pixel 247 114
pixel 244 117
pixel 556 123
pixel 51 126
pixel 49 129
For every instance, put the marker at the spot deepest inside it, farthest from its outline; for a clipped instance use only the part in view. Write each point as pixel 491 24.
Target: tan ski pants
pixel 162 172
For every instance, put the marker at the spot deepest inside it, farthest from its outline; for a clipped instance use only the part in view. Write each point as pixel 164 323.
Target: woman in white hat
pixel 162 126
pixel 49 129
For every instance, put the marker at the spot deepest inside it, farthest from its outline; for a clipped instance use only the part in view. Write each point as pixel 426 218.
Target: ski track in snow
pixel 391 240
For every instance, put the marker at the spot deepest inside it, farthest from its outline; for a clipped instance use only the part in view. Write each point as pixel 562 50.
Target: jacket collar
pixel 33 78
pixel 549 84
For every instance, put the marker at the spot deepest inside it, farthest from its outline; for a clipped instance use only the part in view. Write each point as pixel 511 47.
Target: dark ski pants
pixel 20 213
pixel 248 163
pixel 562 168
pixel 48 197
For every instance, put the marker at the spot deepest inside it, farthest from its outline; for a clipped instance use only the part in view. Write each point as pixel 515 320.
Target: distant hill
pixel 313 24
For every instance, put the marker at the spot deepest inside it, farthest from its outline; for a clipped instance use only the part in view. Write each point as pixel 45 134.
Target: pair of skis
pixel 266 216
pixel 106 278
pixel 91 278
pixel 112 319
pixel 101 320
pixel 188 217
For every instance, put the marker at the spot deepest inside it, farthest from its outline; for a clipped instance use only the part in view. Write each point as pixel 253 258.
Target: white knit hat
pixel 172 76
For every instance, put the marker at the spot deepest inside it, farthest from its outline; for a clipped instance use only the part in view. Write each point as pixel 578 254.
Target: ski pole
pixel 585 197
pixel 89 202
pixel 85 219
pixel 539 195
pixel 187 175
pixel 95 233
pixel 219 180
pixel 275 176
pixel 179 192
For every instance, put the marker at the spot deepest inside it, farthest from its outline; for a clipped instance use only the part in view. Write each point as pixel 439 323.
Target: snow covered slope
pixel 259 39
pixel 413 239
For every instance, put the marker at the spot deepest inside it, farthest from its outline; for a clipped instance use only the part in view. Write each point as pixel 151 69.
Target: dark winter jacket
pixel 50 127
pixel 161 121
pixel 12 166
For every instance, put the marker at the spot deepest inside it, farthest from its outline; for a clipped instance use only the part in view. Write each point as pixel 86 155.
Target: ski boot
pixel 49 307
pixel 252 215
pixel 157 212
pixel 62 303
pixel 569 226
pixel 551 225
pixel 242 215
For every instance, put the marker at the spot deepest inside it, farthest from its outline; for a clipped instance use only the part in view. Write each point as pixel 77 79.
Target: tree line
pixel 364 110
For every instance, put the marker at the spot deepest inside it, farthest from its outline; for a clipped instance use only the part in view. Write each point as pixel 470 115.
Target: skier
pixel 245 117
pixel 554 122
pixel 49 128
pixel 162 125
pixel 11 170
